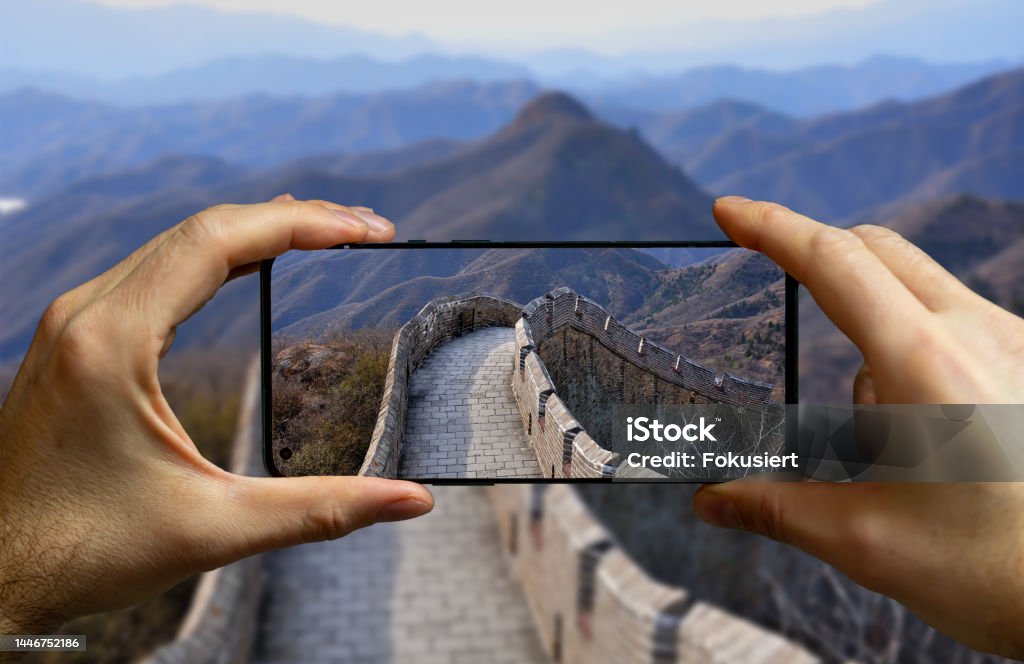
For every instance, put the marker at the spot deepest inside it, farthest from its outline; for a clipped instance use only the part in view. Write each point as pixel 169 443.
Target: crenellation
pixel 565 308
pixel 607 608
pixel 591 460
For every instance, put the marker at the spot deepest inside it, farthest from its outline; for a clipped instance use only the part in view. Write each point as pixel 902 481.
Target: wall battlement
pixel 563 446
pixel 562 307
pixel 592 603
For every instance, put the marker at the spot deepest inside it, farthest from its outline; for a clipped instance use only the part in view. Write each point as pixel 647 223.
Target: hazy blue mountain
pixel 704 309
pixel 380 162
pixel 680 135
pixel 553 172
pixel 843 164
pixel 801 92
pixel 50 141
pixel 933 30
pixel 267 74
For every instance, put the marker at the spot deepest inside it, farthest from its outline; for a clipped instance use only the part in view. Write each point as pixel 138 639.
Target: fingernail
pixel 349 218
pixel 405 508
pixel 732 200
pixel 372 219
pixel 284 197
pixel 717 510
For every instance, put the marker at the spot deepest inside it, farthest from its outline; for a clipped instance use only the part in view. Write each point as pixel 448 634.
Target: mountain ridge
pixel 840 165
pixel 560 177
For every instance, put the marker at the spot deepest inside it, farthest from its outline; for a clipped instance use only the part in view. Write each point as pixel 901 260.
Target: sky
pixel 551 37
pixel 598 25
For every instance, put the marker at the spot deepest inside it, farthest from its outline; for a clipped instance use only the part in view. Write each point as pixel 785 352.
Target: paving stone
pixel 434 589
pixel 462 415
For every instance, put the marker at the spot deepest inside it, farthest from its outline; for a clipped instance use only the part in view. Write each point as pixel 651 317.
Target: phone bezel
pixel 266 268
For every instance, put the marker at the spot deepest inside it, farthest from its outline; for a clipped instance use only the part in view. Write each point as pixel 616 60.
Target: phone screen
pixel 511 362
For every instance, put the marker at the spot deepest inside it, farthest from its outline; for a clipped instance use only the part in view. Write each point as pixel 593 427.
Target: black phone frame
pixel 266 267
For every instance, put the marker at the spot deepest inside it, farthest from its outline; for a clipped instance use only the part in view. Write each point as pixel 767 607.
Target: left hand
pixel 105 500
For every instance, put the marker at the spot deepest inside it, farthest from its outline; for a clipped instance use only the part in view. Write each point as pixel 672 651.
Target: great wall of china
pixel 632 369
pixel 549 582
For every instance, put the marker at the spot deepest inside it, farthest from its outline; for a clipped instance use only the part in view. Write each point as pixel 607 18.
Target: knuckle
pixel 297 209
pixel 861 539
pixel 874 233
pixel 204 228
pixel 80 342
pixel 325 522
pixel 934 353
pixel 57 315
pixel 770 518
pixel 773 213
pixel 831 242
pixel 929 347
pixel 202 225
pixel 881 238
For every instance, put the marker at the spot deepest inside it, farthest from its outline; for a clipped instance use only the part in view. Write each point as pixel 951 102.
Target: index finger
pixel 849 282
pixel 186 270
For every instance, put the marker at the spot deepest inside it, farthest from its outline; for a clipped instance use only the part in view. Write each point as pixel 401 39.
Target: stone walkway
pixel 462 419
pixel 434 590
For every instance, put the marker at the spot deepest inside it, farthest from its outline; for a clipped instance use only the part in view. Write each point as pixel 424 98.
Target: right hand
pixel 952 553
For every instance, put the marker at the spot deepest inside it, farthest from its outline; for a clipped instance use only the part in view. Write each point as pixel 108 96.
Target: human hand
pixel 105 500
pixel 952 553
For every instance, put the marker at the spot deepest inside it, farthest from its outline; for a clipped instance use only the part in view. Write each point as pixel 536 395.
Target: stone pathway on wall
pixel 462 419
pixel 434 590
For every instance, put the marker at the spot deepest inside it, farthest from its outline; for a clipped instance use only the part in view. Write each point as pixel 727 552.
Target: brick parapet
pixel 221 623
pixel 439 321
pixel 562 307
pixel 545 317
pixel 592 603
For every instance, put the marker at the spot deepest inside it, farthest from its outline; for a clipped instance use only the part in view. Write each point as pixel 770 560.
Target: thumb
pixel 269 513
pixel 840 524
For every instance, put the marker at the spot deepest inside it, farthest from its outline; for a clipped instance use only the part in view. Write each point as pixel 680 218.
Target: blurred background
pixel 531 120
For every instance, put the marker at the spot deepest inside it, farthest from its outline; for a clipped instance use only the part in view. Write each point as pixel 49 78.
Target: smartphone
pixel 481 362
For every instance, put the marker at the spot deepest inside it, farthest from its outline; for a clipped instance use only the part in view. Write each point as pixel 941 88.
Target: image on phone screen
pixel 511 362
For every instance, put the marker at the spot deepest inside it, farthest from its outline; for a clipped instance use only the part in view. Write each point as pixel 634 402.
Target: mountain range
pixel 840 165
pixel 228 78
pixel 49 141
pixel 553 172
pixel 801 92
pixel 725 311
pixel 834 166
